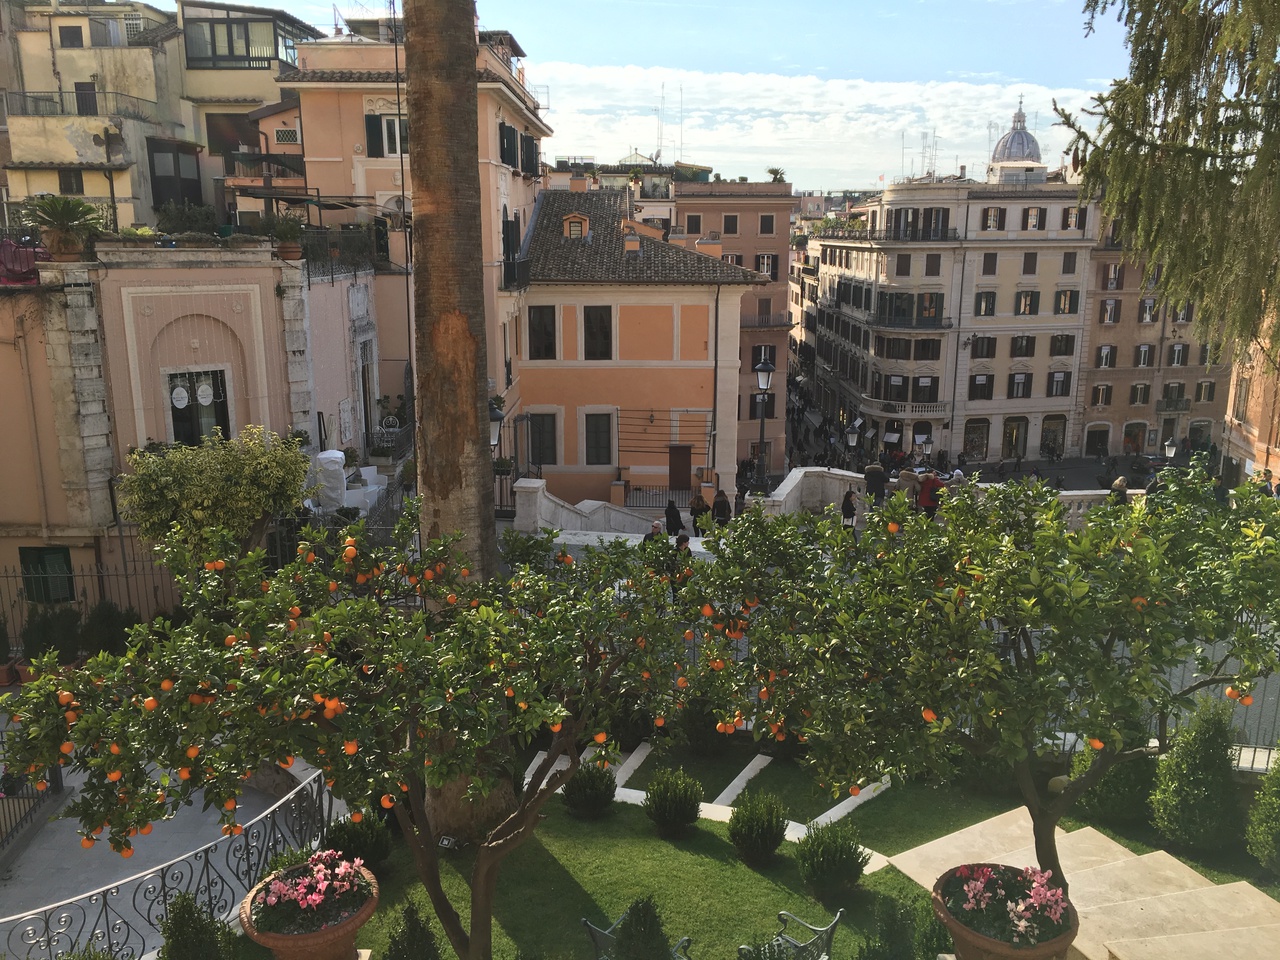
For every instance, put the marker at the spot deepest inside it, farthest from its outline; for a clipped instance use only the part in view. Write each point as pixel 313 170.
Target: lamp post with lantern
pixel 764 379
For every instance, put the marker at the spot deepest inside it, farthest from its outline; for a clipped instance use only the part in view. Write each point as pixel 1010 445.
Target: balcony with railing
pixel 515 274
pixel 763 321
pixel 274 170
pixel 1173 405
pixel 79 103
pixel 903 234
pixel 897 408
pixel 330 253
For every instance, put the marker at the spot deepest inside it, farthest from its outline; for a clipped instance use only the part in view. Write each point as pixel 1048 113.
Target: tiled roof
pixel 67 165
pixel 340 76
pixel 599 257
pixel 253 100
pixel 156 35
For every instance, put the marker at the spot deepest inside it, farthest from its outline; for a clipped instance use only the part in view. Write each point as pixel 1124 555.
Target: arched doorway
pixel 1097 440
pixel 1053 435
pixel 977 436
pixel 1014 444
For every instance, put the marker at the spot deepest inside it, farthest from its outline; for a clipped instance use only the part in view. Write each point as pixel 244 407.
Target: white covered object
pixel 331 465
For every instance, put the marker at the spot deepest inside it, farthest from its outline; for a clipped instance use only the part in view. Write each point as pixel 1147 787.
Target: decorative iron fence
pixel 124 917
pixel 331 254
pixel 641 496
pixel 20 801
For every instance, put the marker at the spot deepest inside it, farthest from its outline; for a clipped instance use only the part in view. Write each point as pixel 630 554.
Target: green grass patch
pixel 797 789
pixel 911 813
pixel 572 869
pixel 714 771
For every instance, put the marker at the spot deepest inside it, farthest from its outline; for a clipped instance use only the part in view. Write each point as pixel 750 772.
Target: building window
pixel 1139 394
pixel 896 391
pixel 1113 276
pixel 1062 345
pixel 70 37
pixel 1240 408
pixel 993 218
pixel 287 135
pixel 1182 314
pixel 1110 312
pixel 1022 346
pixel 395 136
pixel 929 306
pixel 575 229
pixel 1060 383
pixel 237 44
pixel 983 348
pixel 733 258
pixel 1066 301
pixel 753 407
pixel 902 267
pixel 929 349
pixel 1208 354
pixel 197 404
pixel 730 224
pixel 71 182
pixel 1101 396
pixel 1178 354
pixel 924 390
pixel 1174 391
pixel 46 574
pixel 980 386
pixel 1205 391
pixel 1034 218
pixel 599 436
pixel 1027 302
pixel 764 351
pixel 1019 386
pixel 1147 310
pixel 1069 262
pixel 984 304
pixel 893 348
pixel 175 172
pixel 989 264
pixel 766 224
pixel 1144 355
pixel 933 264
pixel 1073 218
pixel 542 438
pixel 1106 359
pixel 1029 263
pixel 542 333
pixel 767 263
pixel 693 224
pixel 597 333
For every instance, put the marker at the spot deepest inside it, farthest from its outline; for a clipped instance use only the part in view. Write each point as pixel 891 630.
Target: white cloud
pixel 826 133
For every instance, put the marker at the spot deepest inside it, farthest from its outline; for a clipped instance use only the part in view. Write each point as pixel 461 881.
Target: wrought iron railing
pixel 515 274
pixel 643 496
pixel 910 234
pixel 124 918
pixel 83 103
pixel 331 254
pixel 20 800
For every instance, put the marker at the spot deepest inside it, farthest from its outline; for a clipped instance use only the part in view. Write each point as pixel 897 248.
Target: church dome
pixel 1018 144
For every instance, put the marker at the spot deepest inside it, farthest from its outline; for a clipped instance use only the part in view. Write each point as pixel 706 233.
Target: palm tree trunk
pixel 455 476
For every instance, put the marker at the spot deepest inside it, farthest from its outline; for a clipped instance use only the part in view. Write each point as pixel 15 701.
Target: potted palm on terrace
pixel 66 224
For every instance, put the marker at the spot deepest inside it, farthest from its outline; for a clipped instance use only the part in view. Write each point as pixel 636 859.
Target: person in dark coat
pixel 877 483
pixel 1119 491
pixel 848 509
pixel 721 508
pixel 655 533
pixel 698 509
pixel 674 522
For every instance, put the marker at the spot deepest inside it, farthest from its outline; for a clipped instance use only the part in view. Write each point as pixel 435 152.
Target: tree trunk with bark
pixel 455 477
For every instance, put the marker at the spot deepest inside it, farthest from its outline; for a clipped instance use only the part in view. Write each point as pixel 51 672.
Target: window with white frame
pixel 1204 391
pixel 1140 394
pixel 1060 383
pixel 1101 396
pixel 395 136
pixel 1106 357
pixel 1144 355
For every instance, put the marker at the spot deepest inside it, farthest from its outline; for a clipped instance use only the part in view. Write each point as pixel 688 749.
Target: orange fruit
pixel 349 747
pixel 388 801
pixel 349 554
pixel 688 634
pixel 115 775
pixel 894 527
pixel 295 611
pixel 659 721
pixel 464 572
pixel 854 790
pixel 127 852
pixel 929 715
pixel 451 598
pixel 356 816
pixel 209 565
pixel 145 829
pixel 601 737
pixel 193 752
pixel 68 747
pixel 237 829
pixel 65 697
pixel 184 773
pixel 707 610
pixel 219 564
pixel 87 842
pixel 310 558
pixel 166 684
pixel 229 804
pixel 1233 693
pixel 333 586
pixel 42 785
pixel 1096 743
pixel 150 703
pixel 1247 700
pixel 114 748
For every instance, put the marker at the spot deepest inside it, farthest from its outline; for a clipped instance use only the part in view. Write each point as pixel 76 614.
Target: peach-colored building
pixel 1250 440
pixel 752 222
pixel 628 355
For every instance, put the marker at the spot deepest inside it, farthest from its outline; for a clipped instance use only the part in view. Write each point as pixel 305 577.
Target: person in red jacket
pixel 930 487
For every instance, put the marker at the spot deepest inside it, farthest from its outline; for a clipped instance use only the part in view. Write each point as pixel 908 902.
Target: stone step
pixel 980 843
pixel 1213 909
pixel 1079 851
pixel 1256 943
pixel 1135 878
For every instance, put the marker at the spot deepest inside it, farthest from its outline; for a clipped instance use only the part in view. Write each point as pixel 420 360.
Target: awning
pixel 857 424
pixel 892 437
pixel 871 434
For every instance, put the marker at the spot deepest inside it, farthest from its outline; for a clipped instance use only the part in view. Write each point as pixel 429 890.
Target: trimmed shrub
pixel 1194 803
pixel 831 857
pixel 284 859
pixel 590 791
pixel 1262 836
pixel 411 937
pixel 640 935
pixel 370 840
pixel 1123 795
pixel 191 932
pixel 758 826
pixel 52 627
pixel 106 628
pixel 673 802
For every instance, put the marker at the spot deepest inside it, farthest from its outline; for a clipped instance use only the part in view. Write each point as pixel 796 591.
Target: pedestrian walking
pixel 698 510
pixel 721 508
pixel 675 524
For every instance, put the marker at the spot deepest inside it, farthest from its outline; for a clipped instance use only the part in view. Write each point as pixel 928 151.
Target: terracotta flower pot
pixel 971 945
pixel 337 942
pixel 25 671
pixel 8 672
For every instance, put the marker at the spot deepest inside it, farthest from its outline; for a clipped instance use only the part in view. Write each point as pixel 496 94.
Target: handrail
pixel 125 916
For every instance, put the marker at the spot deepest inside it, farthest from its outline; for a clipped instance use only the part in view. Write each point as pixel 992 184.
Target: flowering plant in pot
pixel 993 910
pixel 313 909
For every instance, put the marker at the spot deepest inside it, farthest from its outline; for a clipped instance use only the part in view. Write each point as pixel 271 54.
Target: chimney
pixel 577 184
pixel 630 242
pixel 710 245
pixel 962 170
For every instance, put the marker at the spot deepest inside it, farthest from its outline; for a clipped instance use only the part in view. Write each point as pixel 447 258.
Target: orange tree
pixel 1002 633
pixel 392 669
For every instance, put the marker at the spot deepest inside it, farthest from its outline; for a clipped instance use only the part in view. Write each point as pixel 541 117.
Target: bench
pixel 602 941
pixel 816 944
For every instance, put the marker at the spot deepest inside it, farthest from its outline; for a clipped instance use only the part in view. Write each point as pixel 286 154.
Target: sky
pixel 836 92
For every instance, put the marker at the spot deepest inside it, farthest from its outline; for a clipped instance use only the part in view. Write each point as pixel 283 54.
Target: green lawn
pixel 909 814
pixel 714 771
pixel 797 789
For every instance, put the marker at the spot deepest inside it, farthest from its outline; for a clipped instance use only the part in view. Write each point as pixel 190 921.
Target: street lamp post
pixel 764 379
pixel 1170 448
pixel 495 424
pixel 927 447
